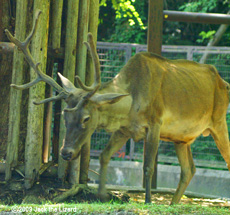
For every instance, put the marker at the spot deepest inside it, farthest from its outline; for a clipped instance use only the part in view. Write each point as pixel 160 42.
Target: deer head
pixel 81 112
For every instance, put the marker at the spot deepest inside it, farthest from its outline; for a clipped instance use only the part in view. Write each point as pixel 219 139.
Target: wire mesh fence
pixel 114 56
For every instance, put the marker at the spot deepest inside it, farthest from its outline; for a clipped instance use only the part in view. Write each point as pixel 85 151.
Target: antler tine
pixel 25 43
pixel 97 79
pixel 30 36
pixel 54 98
pixel 83 101
pixel 23 46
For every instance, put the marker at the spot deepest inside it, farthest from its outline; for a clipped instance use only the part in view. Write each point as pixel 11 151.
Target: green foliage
pixel 207 31
pixel 199 6
pixel 125 9
pixel 206 35
pixel 129 21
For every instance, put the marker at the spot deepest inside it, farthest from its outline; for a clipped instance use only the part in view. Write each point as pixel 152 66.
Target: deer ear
pixel 108 98
pixel 67 84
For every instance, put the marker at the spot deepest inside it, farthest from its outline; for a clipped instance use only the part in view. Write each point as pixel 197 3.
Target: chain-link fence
pixel 114 56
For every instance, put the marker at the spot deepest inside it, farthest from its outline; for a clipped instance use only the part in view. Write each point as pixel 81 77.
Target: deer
pixel 151 98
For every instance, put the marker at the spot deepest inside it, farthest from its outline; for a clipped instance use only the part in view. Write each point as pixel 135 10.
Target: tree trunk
pixel 34 139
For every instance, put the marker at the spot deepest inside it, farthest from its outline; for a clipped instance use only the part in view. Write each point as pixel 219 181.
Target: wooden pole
pixel 93 26
pixel 154 40
pixel 82 36
pixel 6 62
pixel 81 72
pixel 1 23
pixel 69 72
pixel 16 95
pixel 55 31
pixel 155 26
pixel 34 139
pixel 206 18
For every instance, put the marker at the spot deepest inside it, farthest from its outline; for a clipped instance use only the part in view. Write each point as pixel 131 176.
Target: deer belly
pixel 182 131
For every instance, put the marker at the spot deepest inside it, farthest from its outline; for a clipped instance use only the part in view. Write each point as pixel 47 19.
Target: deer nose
pixel 66 153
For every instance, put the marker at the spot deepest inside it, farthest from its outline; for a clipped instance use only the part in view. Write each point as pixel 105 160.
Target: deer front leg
pixel 151 147
pixel 117 140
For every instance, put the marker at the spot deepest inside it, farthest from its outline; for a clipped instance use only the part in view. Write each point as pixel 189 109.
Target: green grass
pixel 113 208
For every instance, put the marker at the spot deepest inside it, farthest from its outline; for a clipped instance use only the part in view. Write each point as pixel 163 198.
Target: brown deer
pixel 152 98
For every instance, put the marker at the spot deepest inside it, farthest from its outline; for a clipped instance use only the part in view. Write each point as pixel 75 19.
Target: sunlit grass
pixel 113 208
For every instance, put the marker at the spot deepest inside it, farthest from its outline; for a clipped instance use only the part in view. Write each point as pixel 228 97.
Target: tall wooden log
pixel 16 95
pixel 82 36
pixel 81 72
pixel 34 139
pixel 89 79
pixel 5 76
pixel 55 42
pixel 93 27
pixel 69 72
pixel 154 40
pixel 56 23
pixel 155 26
pixel 1 21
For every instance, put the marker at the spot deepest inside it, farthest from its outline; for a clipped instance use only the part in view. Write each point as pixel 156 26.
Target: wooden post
pixel 6 62
pixel 82 36
pixel 55 31
pixel 89 79
pixel 93 26
pixel 69 72
pixel 155 26
pixel 81 72
pixel 16 95
pixel 34 139
pixel 1 23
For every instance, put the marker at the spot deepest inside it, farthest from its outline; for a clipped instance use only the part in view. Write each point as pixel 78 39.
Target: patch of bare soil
pixel 48 189
pixel 165 199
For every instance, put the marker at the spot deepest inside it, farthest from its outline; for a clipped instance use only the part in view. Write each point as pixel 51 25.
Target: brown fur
pixel 172 100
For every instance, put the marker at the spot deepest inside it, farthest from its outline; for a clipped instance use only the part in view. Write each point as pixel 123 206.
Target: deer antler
pixel 97 76
pixel 83 101
pixel 23 46
pixel 97 79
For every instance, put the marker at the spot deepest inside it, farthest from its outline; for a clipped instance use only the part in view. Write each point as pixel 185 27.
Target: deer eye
pixel 86 119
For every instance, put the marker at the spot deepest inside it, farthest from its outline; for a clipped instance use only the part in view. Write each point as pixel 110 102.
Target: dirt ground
pixel 47 189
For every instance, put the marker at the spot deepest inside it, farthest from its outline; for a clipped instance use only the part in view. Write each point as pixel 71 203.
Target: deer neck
pixel 114 116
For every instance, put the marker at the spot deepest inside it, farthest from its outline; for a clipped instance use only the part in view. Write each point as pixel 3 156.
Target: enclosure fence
pixel 113 56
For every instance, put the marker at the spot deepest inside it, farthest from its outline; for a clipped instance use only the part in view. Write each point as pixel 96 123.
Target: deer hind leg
pixel 117 140
pixel 188 169
pixel 220 135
